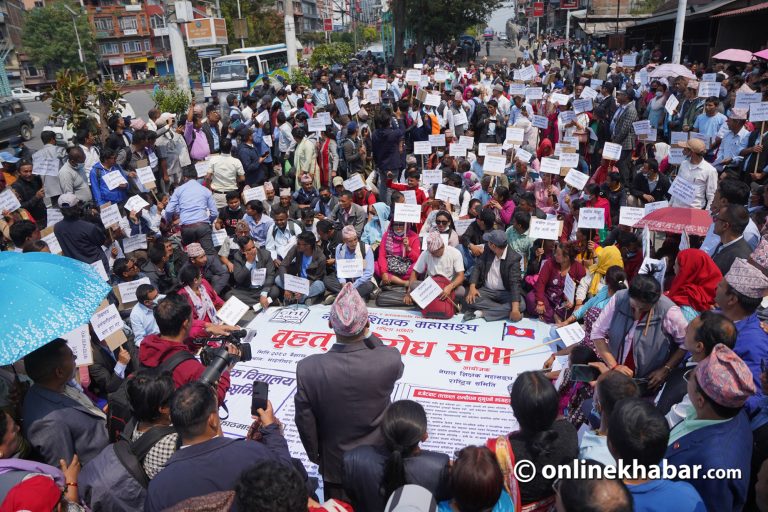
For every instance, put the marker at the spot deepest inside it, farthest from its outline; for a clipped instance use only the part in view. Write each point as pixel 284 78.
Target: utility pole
pixel 178 51
pixel 290 37
pixel 239 17
pixel 677 44
pixel 76 15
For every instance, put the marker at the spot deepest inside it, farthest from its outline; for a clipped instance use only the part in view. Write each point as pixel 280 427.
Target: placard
pixel 515 134
pixel 576 179
pixel 110 215
pixel 629 61
pixel 258 276
pixel 467 142
pixel 683 191
pixel 676 156
pixel 457 151
pixel 341 106
pixel 135 204
pixel 127 291
pixel 203 168
pixel 433 100
pixel 641 126
pixel 268 139
pixel 540 122
pixel 569 160
pixel 114 179
pixel 703 138
pixel 325 117
pixel 516 89
pixel 432 176
pixel 588 93
pixel 629 216
pixel 146 176
pixel 494 165
pixel 612 151
pixel 349 268
pixel 534 93
pixel 550 166
pixel 315 125
pixel 656 205
pixel 379 84
pixel 427 291
pixel 52 241
pixel 106 322
pixel 709 77
pixel 53 215
pixel 526 74
pixel 405 212
pixel 584 105
pixel 437 140
pixel 354 106
pixel 541 229
pixel 410 196
pixel 559 98
pixel 134 243
pixel 675 137
pixel 296 284
pixel 232 311
pixel 448 193
pixel 413 76
pixel 523 155
pixel 462 225
pixel 707 89
pixel 98 267
pixel 441 75
pixel 569 289
pixel 254 194
pixel 422 148
pixel 745 99
pixel 567 116
pixel 571 334
pixel 79 341
pixel 591 218
pixel 460 118
pixel 372 97
pixel 595 83
pixel 757 112
pixel 355 182
pixel 263 117
pixel 671 104
pixel 9 201
pixel 218 236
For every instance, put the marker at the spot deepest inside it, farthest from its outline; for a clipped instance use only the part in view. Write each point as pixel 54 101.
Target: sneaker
pixel 329 300
pixel 469 316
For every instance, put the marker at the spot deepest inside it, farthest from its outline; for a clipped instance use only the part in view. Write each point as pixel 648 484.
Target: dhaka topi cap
pixel 348 232
pixel 747 279
pixel 349 314
pixel 411 498
pixel 434 241
pixel 194 250
pixel 305 178
pixel 725 377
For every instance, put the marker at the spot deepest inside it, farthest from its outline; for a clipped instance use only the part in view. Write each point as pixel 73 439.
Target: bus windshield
pixel 229 70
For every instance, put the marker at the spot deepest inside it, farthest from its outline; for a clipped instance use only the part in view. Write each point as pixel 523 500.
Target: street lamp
pixel 76 15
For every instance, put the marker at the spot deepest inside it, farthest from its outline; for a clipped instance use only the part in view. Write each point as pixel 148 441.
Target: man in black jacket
pixel 494 289
pixel 211 129
pixel 640 192
pixel 254 274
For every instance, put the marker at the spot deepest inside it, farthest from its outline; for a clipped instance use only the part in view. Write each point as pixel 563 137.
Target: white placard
pixel 410 196
pixel 268 139
pixel 372 97
pixel 569 288
pixel 354 183
pixel 263 117
pixel 258 276
pixel 462 225
pixel 218 236
pixel 523 155
pixel 405 212
pixel 675 137
pixel 79 341
pixel 53 243
pixel 494 165
pixel 541 229
pixel 134 243
pixel 588 93
pixel 569 160
pixel 571 333
pixel 448 193
pixel 612 151
pixel 527 74
pixel 567 116
pixel 683 190
pixel 354 106
pixel 559 98
pixel 315 125
pixel 592 218
pixel 457 151
pixel 325 117
pixel 341 105
pixel 426 292
pixel 576 179
pixel 110 216
pixel 232 311
pixel 432 100
pixel 745 99
pixel 349 268
pixel 757 112
pixel 437 140
pixel 114 179
pixel 9 201
pixel 709 77
pixel 550 166
pixel 595 83
pixel 432 176
pixel 516 89
pixel 254 194
pixel 107 322
pixel 422 148
pixel 629 61
pixel 135 204
pixel 203 168
pixel 641 126
pixel 707 89
pixel 671 104
pixel 145 175
pixel 379 84
pixel 128 290
pixel 413 76
pixel 656 205
pixel 534 93
pixel 703 138
pixel 54 215
pixel 460 118
pixel 296 284
pixel 539 122
pixel 676 156
pixel 583 105
pixel 515 134
pixel 441 75
pixel 629 216
pixel 98 267
pixel 467 142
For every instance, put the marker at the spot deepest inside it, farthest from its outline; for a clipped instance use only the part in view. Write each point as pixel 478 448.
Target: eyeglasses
pixel 556 485
pixel 442 222
pixel 687 374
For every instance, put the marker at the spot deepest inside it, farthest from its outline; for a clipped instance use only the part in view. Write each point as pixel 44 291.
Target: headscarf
pixel 610 256
pixel 470 181
pixel 695 283
pixel 546 144
pixel 374 230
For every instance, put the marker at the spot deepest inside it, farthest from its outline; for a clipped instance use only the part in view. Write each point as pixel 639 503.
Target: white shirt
pixel 493 280
pixel 225 169
pixel 448 265
pixel 704 177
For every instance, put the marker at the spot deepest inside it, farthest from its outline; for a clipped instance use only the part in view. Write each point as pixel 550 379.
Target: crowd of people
pixel 248 196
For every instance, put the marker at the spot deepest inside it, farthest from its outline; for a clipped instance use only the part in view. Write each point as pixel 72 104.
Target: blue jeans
pixel 315 288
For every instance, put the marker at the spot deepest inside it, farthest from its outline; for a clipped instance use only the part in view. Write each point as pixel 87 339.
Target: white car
pixel 503 37
pixel 65 136
pixel 23 94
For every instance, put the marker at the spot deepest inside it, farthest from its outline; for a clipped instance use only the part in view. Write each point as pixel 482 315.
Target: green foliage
pixel 107 96
pixel 170 98
pixel 440 20
pixel 646 6
pixel 265 24
pixel 49 37
pixel 299 77
pixel 370 34
pixel 82 103
pixel 330 54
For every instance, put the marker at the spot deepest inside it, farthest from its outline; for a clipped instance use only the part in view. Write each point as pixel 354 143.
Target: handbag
pixel 398 265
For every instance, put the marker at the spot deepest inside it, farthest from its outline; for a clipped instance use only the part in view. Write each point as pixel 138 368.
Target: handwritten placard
pixel 426 292
pixel 232 311
pixel 460 119
pixel 550 166
pixel 354 106
pixel 432 176
pixel 146 176
pixel 569 160
pixel 405 212
pixel 349 268
pixel 683 190
pixel 448 193
pixel 462 225
pixel 629 216
pixel 457 151
pixel 422 148
pixel 114 179
pixel 671 104
pixel 494 165
pixel 53 243
pixel 467 142
pixel 757 112
pixel 569 288
pixel 576 179
pixel 134 243
pixel 437 140
pixel 612 151
pixel 523 155
pixel 745 99
pixel 641 126
pixel 656 205
pixel 379 84
pixel 539 122
pixel 541 229
pixel 676 156
pixel 582 105
pixel 135 204
pixel 433 100
pixel 106 322
pixel 709 77
pixel 588 93
pixel 315 125
pixel 355 182
pixel 707 89
pixel 110 215
pixel 296 284
pixel 218 236
pixel 629 61
pixel 254 194
pixel 515 134
pixel 127 290
pixel 203 168
pixel 410 196
pixel 54 216
pixel 9 201
pixel 571 333
pixel 534 93
pixel 592 218
pixel 79 341
pixel 258 276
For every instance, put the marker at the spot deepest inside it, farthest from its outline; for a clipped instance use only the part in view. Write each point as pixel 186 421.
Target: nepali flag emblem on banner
pixel 519 332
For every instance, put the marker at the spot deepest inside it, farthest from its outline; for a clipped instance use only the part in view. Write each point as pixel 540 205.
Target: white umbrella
pixel 672 70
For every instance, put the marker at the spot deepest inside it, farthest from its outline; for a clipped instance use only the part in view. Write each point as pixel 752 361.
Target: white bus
pixel 245 67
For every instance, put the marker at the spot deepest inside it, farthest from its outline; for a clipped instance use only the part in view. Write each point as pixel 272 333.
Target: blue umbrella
pixel 43 297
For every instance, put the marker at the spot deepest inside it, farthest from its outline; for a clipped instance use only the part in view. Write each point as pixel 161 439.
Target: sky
pixel 499 18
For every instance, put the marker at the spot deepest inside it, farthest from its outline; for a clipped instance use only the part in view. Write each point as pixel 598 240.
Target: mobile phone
pixel 584 373
pixel 259 397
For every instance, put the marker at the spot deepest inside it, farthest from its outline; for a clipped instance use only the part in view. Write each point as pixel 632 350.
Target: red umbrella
pixel 677 220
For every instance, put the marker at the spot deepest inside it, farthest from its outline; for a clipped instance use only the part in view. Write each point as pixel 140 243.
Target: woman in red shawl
pixel 694 284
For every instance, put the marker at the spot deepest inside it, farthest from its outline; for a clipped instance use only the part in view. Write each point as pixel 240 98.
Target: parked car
pixel 15 121
pixel 24 94
pixel 503 37
pixel 64 133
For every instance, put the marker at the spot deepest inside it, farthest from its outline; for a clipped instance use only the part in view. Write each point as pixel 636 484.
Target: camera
pixel 216 358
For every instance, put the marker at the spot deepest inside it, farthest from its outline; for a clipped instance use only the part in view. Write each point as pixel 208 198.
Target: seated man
pixel 325 203
pixel 347 213
pixel 304 260
pixel 259 222
pixel 497 274
pixel 718 389
pixel 329 238
pixel 195 414
pixel 352 249
pixel 59 420
pixel 211 268
pixel 229 215
pixel 438 260
pixel 306 196
pixel 638 434
pixel 282 236
pixel 142 315
pixel 254 274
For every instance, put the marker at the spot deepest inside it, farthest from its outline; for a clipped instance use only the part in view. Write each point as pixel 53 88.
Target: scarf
pixel 202 305
pixel 393 239
pixel 694 285
pixel 610 256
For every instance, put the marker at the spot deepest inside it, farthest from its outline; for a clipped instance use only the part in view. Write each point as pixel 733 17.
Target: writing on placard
pixel 671 104
pixel 629 216
pixel 405 212
pixel 432 176
pixel 550 166
pixel 569 288
pixel 254 194
pixel 515 134
pixel 106 321
pixel 448 193
pixel 110 215
pixel 354 106
pixel 203 168
pixel 494 165
pixel 569 160
pixel 410 196
pixel 296 284
pixel 219 235
pixel 355 182
pixel 707 89
pixel 539 122
pixel 582 105
pixel 426 292
pixel 576 179
pixel 134 243
pixel 437 140
pixel 135 204
pixel 656 205
pixel 462 225
pixel 9 201
pixel 315 125
pixel 53 243
pixel 422 148
pixel 591 218
pixel 571 334
pixel 145 175
pixel 349 268
pixel 79 341
pixel 232 311
pixel 114 179
pixel 683 190
pixel 523 155
pixel 541 229
pixel 612 151
pixel 457 151
pixel 676 156
pixel 758 112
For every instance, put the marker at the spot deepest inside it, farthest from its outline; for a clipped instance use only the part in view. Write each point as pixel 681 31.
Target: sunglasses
pixel 442 222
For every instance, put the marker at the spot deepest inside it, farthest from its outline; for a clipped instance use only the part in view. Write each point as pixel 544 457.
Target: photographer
pixel 174 319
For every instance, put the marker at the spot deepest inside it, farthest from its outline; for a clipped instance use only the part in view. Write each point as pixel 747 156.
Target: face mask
pixel 398 232
pixel 659 94
pixel 80 167
pixel 236 209
pixel 631 254
pixel 440 154
pixel 325 199
pixel 338 81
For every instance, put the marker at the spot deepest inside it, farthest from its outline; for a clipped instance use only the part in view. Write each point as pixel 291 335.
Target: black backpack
pixel 131 454
pixel 118 406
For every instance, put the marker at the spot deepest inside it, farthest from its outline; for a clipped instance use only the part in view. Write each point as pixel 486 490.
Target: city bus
pixel 245 67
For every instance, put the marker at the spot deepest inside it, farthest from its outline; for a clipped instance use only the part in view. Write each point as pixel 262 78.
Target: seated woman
pixel 398 253
pixel 477 483
pixel 442 222
pixel 696 279
pixel 200 294
pixel 502 206
pixel 596 199
pixel 594 281
pixel 378 220
pixel 472 240
pixel 545 191
pixel 373 473
pixel 547 299
pixel 601 174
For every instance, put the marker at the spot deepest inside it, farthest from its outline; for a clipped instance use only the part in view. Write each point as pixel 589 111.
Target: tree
pixel 265 24
pixel 370 34
pixel 171 99
pixel 330 54
pixel 49 37
pixel 84 104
